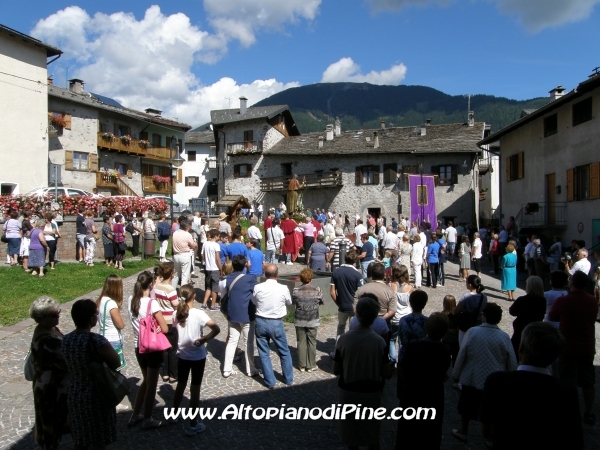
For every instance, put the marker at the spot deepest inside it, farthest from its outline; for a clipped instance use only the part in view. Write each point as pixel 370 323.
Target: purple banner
pixel 422 199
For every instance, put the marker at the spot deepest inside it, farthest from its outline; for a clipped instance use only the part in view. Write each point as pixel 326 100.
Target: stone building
pixel 24 100
pixel 98 143
pixel 363 171
pixel 550 165
pixel 200 168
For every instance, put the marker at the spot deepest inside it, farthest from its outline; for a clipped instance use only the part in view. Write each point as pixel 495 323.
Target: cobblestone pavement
pixel 316 389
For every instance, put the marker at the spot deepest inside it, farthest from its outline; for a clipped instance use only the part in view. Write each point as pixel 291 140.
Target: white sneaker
pixel 192 431
pixel 289 263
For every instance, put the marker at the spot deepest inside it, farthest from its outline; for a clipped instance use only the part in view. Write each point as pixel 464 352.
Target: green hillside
pixel 363 105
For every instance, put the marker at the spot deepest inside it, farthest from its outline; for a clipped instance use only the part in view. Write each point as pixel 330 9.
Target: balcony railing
pixel 133 147
pixel 310 181
pixel 543 215
pixel 244 148
pixel 106 180
pixel 149 185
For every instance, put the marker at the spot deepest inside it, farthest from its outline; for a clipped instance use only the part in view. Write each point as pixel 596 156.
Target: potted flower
pixel 108 136
pixel 143 143
pixel 126 139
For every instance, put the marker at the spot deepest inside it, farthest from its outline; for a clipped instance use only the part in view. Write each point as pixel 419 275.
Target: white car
pixel 71 192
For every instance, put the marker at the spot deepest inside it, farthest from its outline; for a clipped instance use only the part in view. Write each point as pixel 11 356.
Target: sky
pixel 191 56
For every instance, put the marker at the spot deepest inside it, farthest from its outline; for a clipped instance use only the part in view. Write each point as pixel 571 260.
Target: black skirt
pixel 470 402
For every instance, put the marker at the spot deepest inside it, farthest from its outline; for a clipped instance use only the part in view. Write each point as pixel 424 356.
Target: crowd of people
pixel 376 280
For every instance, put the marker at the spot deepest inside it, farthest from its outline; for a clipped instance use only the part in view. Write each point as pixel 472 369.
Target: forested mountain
pixel 363 105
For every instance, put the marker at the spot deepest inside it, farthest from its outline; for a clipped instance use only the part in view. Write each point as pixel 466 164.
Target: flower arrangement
pixel 69 206
pixel 160 179
pixel 126 139
pixel 143 143
pixel 108 136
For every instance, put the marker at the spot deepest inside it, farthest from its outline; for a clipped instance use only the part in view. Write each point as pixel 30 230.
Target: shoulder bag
pixel 28 367
pixel 120 349
pixel 112 385
pixel 467 319
pixel 150 337
pixel 225 300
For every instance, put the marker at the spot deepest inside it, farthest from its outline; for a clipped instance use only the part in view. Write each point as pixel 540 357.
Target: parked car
pixel 63 190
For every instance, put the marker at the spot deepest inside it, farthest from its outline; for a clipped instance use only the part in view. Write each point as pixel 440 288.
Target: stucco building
pixel 550 165
pixel 24 100
pixel 200 168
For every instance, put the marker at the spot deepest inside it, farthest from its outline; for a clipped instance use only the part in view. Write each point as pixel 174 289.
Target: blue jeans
pixel 393 339
pixel 272 329
pixel 365 266
pixel 271 257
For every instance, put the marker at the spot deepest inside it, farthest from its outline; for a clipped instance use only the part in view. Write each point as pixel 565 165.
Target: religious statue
pixel 292 195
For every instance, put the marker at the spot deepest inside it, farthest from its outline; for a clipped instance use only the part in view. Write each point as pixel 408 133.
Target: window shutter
pixel 455 174
pixel 435 170
pixel 236 171
pixel 358 176
pixel 570 191
pixel 68 160
pixel 390 173
pixel 520 168
pixel 375 174
pixel 595 180
pixel 249 170
pixel 67 119
pixel 179 175
pixel 93 162
pixel 116 129
pixel 144 135
pixel 508 169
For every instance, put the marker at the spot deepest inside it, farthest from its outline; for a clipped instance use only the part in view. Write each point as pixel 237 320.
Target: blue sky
pixel 188 57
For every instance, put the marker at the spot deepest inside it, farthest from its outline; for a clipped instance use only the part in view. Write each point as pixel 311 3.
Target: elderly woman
pixel 12 228
pixel 528 308
pixel 93 423
pixel 307 299
pixel 26 229
pixel 119 241
pixel 51 379
pixel 37 248
pixel 404 251
pixel 485 349
pixel 495 253
pixel 317 255
pixel 509 272
pixel 107 241
pixel 361 362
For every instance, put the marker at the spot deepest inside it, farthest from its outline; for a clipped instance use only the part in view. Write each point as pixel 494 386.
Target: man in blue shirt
pixel 236 247
pixel 256 258
pixel 443 258
pixel 433 261
pixel 223 243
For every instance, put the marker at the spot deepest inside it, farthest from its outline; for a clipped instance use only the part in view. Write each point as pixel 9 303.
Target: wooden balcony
pixel 244 148
pixel 149 186
pixel 106 180
pixel 134 147
pixel 310 181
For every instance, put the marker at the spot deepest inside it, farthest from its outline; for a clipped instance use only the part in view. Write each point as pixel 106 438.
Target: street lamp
pixel 175 162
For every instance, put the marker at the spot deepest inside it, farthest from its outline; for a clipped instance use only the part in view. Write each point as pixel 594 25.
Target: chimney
pixel 557 92
pixel 423 131
pixel 329 129
pixel 383 124
pixel 153 112
pixel 243 103
pixel 320 141
pixel 471 118
pixel 338 127
pixel 76 85
pixel 427 122
pixel 375 140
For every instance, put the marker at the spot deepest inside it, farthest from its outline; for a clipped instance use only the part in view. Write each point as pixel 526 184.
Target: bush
pixel 69 206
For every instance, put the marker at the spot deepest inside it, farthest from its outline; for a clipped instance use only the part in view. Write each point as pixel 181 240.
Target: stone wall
pixel 454 202
pixel 67 244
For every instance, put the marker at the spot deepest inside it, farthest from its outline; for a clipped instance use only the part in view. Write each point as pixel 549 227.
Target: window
pixel 248 138
pixel 406 169
pixel 367 175
pixel 156 140
pixel 191 155
pixel 122 130
pixel 390 173
pixel 242 171
pixel 583 182
pixel 447 175
pixel 515 167
pixel 192 181
pixel 80 161
pixel 582 111
pixel 550 125
pixel 57 121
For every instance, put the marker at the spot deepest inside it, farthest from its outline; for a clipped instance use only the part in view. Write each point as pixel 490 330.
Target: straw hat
pixel 222 216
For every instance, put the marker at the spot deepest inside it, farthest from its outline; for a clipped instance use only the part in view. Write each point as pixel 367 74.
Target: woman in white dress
pixel 416 260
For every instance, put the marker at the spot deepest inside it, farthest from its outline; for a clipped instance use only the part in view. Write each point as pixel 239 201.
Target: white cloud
pixel 347 70
pixel 535 15
pixel 148 62
pixel 241 19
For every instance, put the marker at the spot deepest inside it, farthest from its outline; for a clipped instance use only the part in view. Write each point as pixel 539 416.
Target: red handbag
pixel 150 337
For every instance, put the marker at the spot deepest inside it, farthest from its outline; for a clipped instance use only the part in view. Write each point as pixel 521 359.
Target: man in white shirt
pixel 451 240
pixel 259 211
pixel 211 256
pixel 359 230
pixel 476 253
pixel 271 300
pixel 390 242
pixel 581 263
